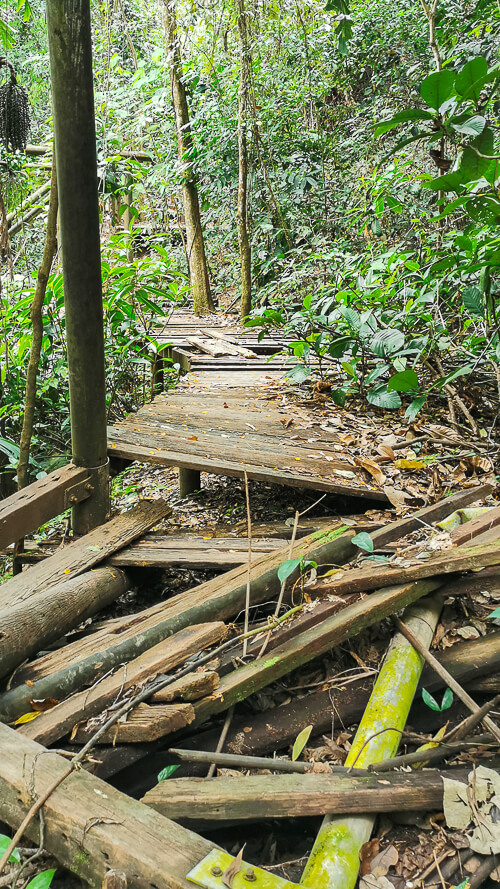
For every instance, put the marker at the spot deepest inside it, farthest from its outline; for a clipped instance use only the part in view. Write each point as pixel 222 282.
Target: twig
pixel 237 760
pixel 432 754
pixel 220 742
pixel 465 727
pixel 283 585
pixel 449 680
pixel 249 563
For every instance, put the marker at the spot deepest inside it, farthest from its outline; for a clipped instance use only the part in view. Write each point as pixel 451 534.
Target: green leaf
pixel 301 741
pixel 472 298
pixel 495 614
pixel 437 88
pixel 413 409
pixel 387 341
pixel 447 699
pixel 298 373
pixel 446 182
pixel 4 845
pixel 376 227
pixel 463 885
pixel 7 35
pixel 471 126
pixel 472 165
pixel 380 396
pixel 484 209
pixel 363 541
pixel 349 369
pixel 430 701
pixel 402 117
pixel 338 397
pixel 42 881
pixel 167 772
pixel 470 80
pixel 404 381
pixel 287 568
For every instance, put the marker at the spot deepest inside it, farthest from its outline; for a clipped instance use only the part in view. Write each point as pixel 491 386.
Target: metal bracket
pixel 209 871
pixel 81 491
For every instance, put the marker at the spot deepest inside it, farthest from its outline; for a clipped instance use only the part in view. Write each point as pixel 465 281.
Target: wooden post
pixel 70 51
pixel 189 481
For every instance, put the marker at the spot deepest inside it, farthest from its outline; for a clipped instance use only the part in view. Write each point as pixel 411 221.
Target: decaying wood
pixel 114 880
pixel 190 688
pixel 89 825
pixel 447 562
pixel 465 533
pixel 162 551
pixel 60 720
pixel 29 625
pixel 81 555
pixel 232 348
pixel 143 723
pixel 24 512
pixel 294 796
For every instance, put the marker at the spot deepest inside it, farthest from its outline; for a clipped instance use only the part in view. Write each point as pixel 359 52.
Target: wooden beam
pixel 256 797
pixel 89 826
pixel 465 533
pixel 81 555
pixel 24 512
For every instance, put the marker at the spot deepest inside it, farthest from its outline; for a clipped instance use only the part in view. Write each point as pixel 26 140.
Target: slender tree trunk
pixel 241 212
pixel 36 314
pixel 198 272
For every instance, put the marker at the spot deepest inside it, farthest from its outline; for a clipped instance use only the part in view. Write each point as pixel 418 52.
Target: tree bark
pixel 242 208
pixel 195 247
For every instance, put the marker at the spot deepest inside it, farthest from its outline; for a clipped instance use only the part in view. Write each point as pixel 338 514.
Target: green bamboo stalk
pixel 334 860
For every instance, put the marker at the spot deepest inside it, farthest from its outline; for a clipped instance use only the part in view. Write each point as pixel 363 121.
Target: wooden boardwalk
pixel 236 415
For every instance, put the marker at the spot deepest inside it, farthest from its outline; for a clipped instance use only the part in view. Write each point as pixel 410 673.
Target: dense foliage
pixel 373 194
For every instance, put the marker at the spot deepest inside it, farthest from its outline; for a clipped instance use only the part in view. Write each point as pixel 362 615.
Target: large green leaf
pixel 364 541
pixel 473 300
pixel 484 209
pixel 473 165
pixel 4 845
pixel 380 396
pixel 469 126
pixel 7 35
pixel 416 405
pixel 387 341
pixel 437 88
pixel 287 568
pixel 402 117
pixel 404 381
pixel 446 182
pixel 42 880
pixel 471 78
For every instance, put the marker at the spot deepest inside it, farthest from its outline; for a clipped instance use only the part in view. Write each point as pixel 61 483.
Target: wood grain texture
pixel 90 826
pixel 81 555
pixel 255 797
pixel 143 724
pixel 60 721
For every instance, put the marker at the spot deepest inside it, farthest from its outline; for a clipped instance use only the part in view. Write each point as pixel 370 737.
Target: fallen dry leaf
pixel 234 868
pixel 367 853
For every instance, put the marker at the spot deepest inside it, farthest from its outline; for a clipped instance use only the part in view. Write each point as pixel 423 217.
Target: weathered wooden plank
pixel 161 551
pixel 465 533
pixel 88 825
pixel 25 511
pixel 257 797
pixel 143 724
pixel 62 718
pixel 81 555
pixel 466 558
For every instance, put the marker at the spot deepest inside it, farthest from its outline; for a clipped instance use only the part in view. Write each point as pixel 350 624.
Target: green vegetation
pixel 370 138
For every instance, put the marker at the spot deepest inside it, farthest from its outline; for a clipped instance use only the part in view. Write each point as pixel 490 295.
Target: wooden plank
pixel 25 511
pixel 81 555
pixel 447 562
pixel 143 725
pixel 162 552
pixel 233 347
pixel 88 824
pixel 190 688
pixel 256 797
pixel 62 718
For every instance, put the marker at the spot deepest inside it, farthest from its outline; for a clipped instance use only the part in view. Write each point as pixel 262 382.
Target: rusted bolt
pixel 73 499
pixel 89 487
pixel 250 875
pixel 217 871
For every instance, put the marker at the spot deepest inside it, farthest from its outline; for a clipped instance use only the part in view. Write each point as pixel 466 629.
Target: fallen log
pixel 259 797
pixel 61 719
pixel 28 626
pixel 84 553
pixel 88 825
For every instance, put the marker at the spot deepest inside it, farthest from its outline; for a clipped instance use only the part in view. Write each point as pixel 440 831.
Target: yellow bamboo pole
pixel 334 860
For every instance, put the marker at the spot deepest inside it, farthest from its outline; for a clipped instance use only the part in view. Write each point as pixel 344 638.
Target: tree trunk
pixel 241 212
pixel 195 247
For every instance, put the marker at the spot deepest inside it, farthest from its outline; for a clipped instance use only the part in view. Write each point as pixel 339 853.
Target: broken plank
pixel 143 724
pixel 312 643
pixel 81 555
pixel 465 533
pixel 190 688
pixel 28 626
pixel 233 348
pixel 216 350
pixel 447 562
pixel 28 509
pixel 61 719
pixel 88 824
pixel 261 797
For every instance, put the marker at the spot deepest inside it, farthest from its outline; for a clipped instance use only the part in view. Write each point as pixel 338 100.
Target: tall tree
pixel 242 207
pixel 195 246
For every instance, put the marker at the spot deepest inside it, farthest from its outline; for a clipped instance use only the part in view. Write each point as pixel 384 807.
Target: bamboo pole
pixel 70 51
pixel 334 861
